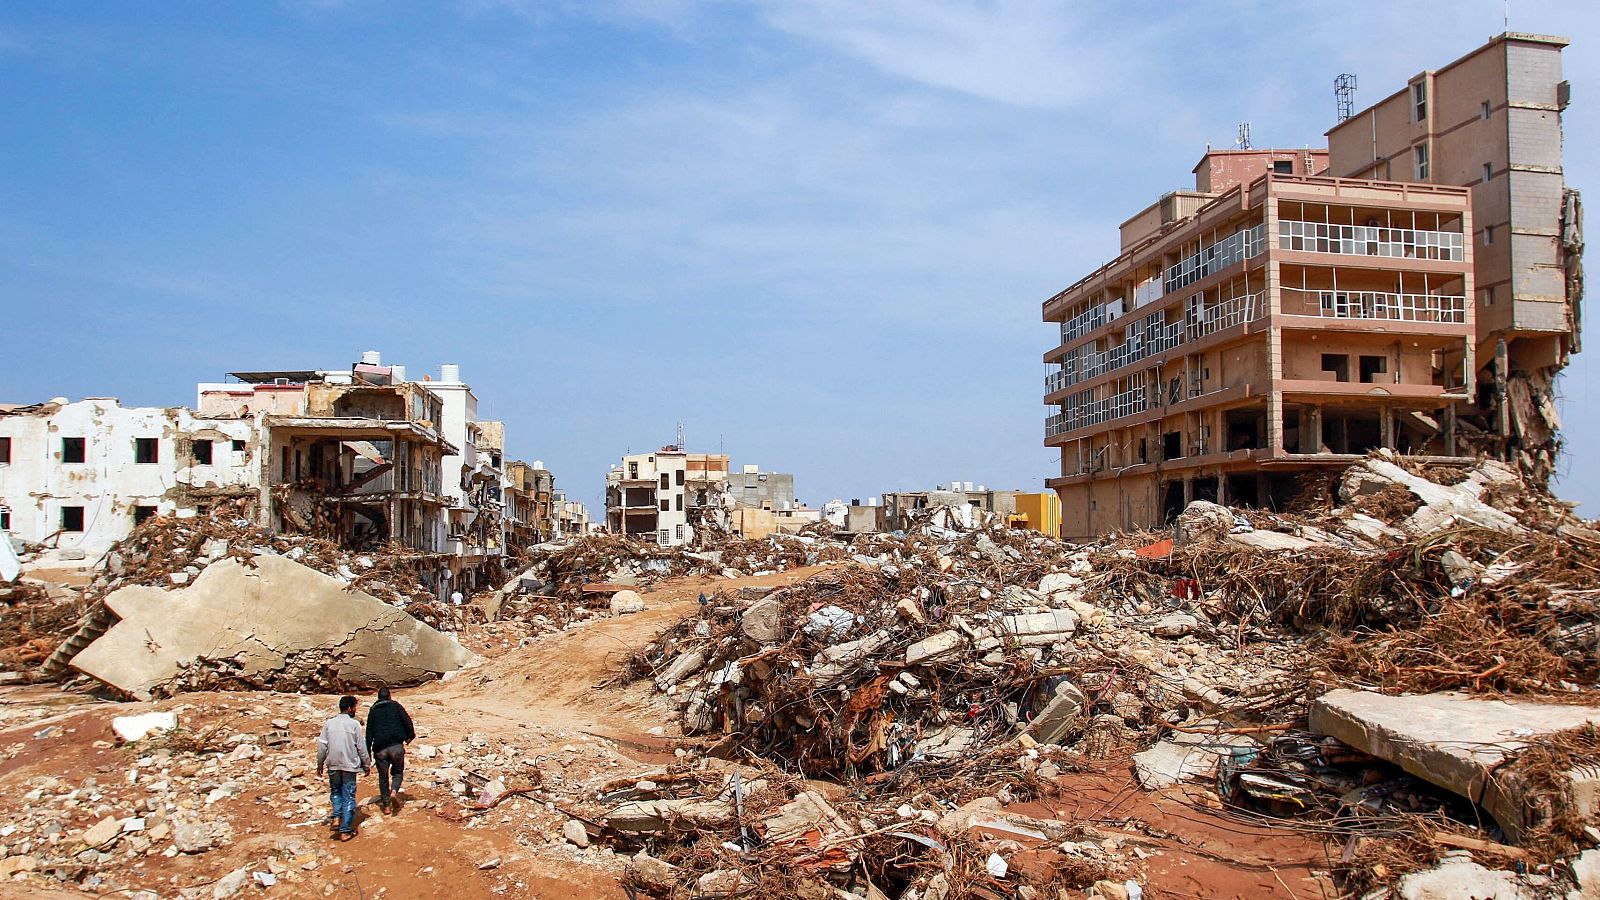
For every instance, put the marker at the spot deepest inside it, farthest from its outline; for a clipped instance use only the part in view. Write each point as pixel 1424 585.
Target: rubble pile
pixel 35 617
pixel 943 654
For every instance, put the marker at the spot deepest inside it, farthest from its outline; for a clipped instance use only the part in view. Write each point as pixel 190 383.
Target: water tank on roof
pixel 450 373
pixel 372 358
pixel 397 374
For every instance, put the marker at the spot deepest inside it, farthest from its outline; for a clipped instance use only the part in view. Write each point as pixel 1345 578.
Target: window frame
pixel 143 446
pixel 82 519
pixel 81 445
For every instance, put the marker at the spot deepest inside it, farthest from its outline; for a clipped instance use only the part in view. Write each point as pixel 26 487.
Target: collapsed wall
pixel 275 625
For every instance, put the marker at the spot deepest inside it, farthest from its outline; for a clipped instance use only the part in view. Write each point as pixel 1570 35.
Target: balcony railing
pixel 1209 260
pixel 1448 308
pixel 1152 336
pixel 1084 409
pixel 1370 240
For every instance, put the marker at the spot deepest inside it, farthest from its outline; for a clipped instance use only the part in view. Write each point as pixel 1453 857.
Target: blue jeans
pixel 342 793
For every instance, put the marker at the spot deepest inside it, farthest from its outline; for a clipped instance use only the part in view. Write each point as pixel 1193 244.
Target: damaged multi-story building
pixel 1491 122
pixel 354 456
pixel 1277 321
pixel 663 496
pixel 77 477
pixel 530 505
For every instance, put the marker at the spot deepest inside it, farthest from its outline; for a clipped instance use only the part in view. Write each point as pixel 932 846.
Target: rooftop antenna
pixel 681 444
pixel 1344 95
pixel 1244 135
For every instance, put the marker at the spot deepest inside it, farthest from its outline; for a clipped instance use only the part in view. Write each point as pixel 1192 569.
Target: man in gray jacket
pixel 342 750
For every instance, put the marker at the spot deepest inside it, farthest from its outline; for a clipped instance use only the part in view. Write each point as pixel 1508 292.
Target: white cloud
pixel 1030 53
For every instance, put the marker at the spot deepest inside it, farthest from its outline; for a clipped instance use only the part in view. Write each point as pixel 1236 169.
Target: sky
pixel 817 233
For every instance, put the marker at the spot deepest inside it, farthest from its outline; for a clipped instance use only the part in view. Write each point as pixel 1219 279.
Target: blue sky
pixel 816 232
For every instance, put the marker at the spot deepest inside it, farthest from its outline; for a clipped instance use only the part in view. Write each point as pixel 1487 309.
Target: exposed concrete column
pixel 1312 432
pixel 1222 487
pixel 1386 426
pixel 1188 490
pixel 1275 422
pixel 1450 429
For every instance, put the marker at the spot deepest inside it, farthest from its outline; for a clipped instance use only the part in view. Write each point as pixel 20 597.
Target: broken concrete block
pixel 1442 505
pixel 909 611
pixel 808 812
pixel 1173 625
pixel 1041 628
pixel 1455 741
pixel 101 833
pixel 830 623
pixel 1183 757
pixel 685 665
pixel 1060 714
pixel 654 815
pixel 136 728
pixel 278 626
pixel 949 742
pixel 1586 871
pixel 762 622
pixel 831 664
pixel 1272 540
pixel 626 602
pixel 230 884
pixel 934 646
pixel 1457 877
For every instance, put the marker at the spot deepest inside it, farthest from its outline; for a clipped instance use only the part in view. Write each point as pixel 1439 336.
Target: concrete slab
pixel 1456 741
pixel 279 625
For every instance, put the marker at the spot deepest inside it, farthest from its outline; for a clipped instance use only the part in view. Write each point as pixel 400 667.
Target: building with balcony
pixel 645 497
pixel 1491 122
pixel 1289 322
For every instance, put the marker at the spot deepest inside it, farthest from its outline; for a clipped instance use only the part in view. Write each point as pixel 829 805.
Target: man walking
pixel 388 731
pixel 342 750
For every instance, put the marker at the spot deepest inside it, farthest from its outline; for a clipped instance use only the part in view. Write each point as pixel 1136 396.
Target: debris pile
pixel 944 653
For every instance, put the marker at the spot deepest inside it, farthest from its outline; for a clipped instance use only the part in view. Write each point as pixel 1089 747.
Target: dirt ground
pixel 549 701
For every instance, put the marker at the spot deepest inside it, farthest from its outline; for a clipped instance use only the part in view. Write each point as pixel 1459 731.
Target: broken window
pixel 1283 166
pixel 1338 364
pixel 633 471
pixel 140 513
pixel 202 453
pixel 1172 445
pixel 5 450
pixel 238 446
pixel 146 450
pixel 71 518
pixel 1419 155
pixel 1372 366
pixel 1144 450
pixel 72 450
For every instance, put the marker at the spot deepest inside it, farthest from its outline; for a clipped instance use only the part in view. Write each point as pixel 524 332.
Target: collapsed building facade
pixel 1276 321
pixel 81 475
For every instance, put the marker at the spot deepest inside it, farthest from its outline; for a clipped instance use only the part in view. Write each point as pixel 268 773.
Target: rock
pixel 230 884
pixel 488 864
pixel 179 578
pixel 15 865
pixel 830 623
pixel 761 622
pixel 657 875
pixel 720 883
pixel 626 602
pixel 1455 741
pixel 1202 522
pixel 575 833
pixel 1458 877
pixel 908 610
pixel 101 833
pixel 934 646
pixel 1060 714
pixel 427 751
pixel 271 626
pixel 192 837
pixel 1174 625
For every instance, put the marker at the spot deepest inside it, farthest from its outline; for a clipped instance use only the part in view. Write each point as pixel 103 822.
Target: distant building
pixel 753 488
pixel 645 497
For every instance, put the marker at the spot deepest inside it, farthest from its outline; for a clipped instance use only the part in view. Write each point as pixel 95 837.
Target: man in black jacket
pixel 388 731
